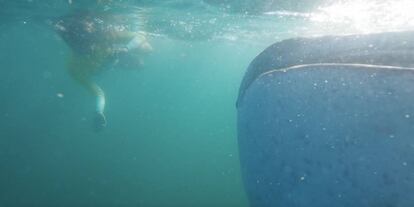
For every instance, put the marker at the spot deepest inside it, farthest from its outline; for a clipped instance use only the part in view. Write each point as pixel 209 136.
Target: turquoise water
pixel 171 136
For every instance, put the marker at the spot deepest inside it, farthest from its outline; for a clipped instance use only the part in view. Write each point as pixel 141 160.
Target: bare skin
pixel 94 41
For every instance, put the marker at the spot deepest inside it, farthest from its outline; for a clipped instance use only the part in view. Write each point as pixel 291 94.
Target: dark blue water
pixel 171 134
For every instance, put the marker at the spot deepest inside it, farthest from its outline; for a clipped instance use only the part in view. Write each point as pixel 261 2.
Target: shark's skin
pixel 95 39
pixel 357 49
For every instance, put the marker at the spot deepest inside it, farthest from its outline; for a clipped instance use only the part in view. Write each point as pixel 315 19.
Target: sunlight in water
pixel 367 16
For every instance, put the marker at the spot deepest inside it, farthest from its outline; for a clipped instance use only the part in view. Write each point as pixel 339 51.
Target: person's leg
pixel 81 70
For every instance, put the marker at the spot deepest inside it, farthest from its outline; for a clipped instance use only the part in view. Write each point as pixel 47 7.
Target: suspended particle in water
pixel 46 74
pixel 60 95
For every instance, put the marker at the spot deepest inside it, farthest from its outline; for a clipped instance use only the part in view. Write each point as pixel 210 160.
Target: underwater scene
pixel 133 102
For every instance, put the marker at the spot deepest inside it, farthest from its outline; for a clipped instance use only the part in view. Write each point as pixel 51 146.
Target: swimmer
pixel 95 41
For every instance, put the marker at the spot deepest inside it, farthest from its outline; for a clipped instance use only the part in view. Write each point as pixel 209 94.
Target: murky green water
pixel 171 134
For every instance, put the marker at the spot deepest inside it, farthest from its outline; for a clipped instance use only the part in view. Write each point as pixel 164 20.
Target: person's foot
pixel 99 121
